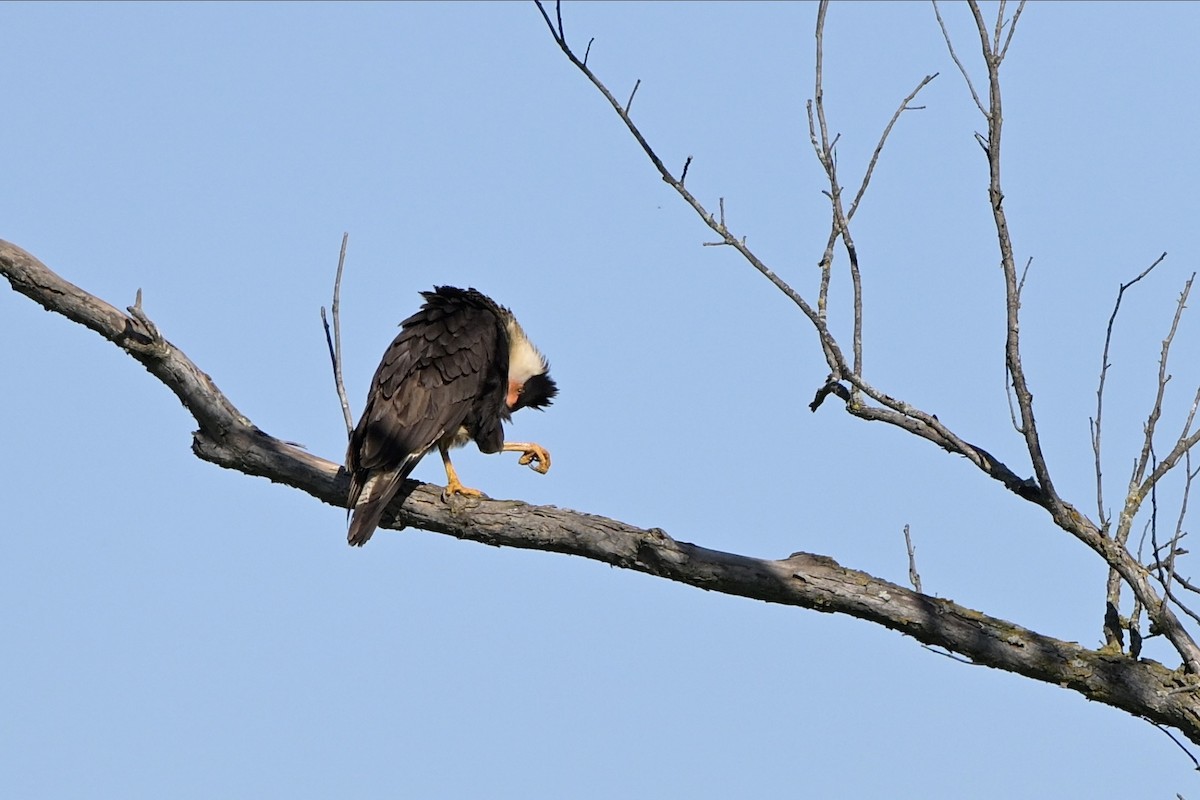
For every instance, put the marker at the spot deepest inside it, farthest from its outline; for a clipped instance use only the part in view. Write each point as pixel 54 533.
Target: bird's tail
pixel 371 499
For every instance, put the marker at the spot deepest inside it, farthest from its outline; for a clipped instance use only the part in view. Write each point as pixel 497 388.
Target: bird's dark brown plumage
pixel 444 379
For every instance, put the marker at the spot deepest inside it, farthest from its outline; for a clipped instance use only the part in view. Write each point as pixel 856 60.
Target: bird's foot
pixel 455 487
pixel 535 457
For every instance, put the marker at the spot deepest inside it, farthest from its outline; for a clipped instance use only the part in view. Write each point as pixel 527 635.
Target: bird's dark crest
pixel 539 392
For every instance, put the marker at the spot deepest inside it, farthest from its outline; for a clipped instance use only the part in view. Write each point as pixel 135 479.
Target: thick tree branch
pixel 227 438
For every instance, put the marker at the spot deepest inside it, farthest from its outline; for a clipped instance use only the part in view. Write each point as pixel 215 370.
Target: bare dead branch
pixel 995 119
pixel 839 226
pixel 839 223
pixel 1012 29
pixel 334 342
pixel 1008 395
pixel 904 106
pixel 1113 584
pixel 1183 445
pixel 1024 275
pixel 1173 549
pixel 957 62
pixel 1163 379
pixel 726 236
pixel 999 25
pixel 1104 365
pixel 629 104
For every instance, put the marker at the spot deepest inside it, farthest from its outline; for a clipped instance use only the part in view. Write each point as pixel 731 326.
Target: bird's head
pixel 529 381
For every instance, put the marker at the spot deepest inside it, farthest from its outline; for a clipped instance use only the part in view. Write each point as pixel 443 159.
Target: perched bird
pixel 458 369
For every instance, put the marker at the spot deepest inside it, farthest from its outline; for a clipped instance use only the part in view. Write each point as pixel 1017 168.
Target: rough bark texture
pixel 226 438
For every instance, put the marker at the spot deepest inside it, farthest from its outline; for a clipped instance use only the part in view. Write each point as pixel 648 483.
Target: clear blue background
pixel 174 630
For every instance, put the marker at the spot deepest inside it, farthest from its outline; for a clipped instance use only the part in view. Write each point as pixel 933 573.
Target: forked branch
pixel 1065 516
pixel 891 410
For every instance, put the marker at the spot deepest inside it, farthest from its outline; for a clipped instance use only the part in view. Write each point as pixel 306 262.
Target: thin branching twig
pixel 1104 365
pixel 335 341
pixel 957 62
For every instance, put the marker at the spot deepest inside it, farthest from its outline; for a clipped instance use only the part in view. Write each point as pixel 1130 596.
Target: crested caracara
pixel 458 369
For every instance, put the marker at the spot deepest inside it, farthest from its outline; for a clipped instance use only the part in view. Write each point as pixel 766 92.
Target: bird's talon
pixel 455 487
pixel 536 459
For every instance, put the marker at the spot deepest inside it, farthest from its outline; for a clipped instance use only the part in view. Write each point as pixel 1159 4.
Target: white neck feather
pixel 524 360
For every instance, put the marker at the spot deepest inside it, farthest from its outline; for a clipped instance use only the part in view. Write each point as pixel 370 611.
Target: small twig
pixel 913 576
pixel 138 314
pixel 1184 583
pixel 999 25
pixel 1114 583
pixel 1153 522
pixel 335 341
pixel 1139 488
pixel 958 63
pixel 1012 28
pixel 683 175
pixel 1173 549
pixel 1179 604
pixel 904 106
pixel 1163 379
pixel 952 656
pixel 1178 744
pixel 1024 275
pixel 588 51
pixel 1012 411
pixel 1104 365
pixel 636 84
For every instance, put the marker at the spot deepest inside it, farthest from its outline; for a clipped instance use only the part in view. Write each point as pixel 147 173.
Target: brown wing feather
pixel 447 368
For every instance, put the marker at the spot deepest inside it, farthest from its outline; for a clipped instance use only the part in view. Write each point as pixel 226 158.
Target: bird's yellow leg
pixel 453 484
pixel 532 455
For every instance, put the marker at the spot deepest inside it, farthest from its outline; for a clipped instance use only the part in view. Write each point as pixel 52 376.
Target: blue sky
pixel 172 629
